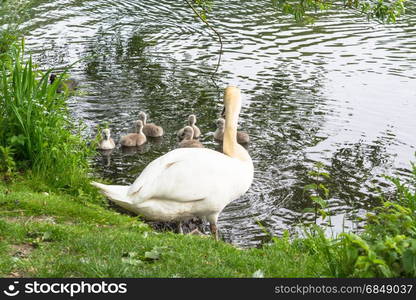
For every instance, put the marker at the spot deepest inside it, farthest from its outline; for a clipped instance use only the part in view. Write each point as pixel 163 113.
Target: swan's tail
pixel 116 193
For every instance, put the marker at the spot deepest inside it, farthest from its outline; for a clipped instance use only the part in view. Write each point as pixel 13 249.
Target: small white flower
pixel 258 274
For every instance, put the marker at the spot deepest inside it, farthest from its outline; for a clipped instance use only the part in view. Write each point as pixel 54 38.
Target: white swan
pixel 189 182
pixel 106 143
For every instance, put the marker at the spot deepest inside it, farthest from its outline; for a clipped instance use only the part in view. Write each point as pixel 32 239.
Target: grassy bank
pixel 44 234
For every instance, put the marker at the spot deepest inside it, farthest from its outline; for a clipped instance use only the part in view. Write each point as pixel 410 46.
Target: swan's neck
pixel 230 145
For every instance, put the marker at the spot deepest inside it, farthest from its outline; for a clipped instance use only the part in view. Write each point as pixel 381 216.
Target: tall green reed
pixel 36 124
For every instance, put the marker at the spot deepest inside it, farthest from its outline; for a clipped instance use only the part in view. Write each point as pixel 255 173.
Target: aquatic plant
pixel 305 10
pixel 317 191
pixel 386 247
pixel 35 122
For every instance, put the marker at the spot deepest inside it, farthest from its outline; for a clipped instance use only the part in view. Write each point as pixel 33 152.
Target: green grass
pixel 46 233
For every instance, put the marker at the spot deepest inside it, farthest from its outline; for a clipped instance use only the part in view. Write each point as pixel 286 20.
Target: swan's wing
pixel 186 174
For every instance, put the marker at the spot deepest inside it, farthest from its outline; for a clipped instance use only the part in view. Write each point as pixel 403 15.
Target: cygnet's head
pixel 192 119
pixel 188 133
pixel 106 133
pixel 220 123
pixel 142 116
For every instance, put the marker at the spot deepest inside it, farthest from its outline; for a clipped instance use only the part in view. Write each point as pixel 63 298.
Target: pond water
pixel 341 92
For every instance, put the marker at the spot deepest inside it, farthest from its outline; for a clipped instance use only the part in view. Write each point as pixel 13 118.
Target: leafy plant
pixel 36 123
pixel 7 163
pixel 405 191
pixel 317 191
pixel 387 247
pixel 305 10
pixel 203 7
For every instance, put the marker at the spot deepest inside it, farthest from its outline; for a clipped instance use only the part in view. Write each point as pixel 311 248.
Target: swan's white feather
pixel 117 193
pixel 186 174
pixel 183 183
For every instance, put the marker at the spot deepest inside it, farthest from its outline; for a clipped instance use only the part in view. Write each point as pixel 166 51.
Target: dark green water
pixel 341 92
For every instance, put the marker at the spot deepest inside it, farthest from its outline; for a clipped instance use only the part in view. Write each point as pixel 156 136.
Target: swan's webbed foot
pixel 196 232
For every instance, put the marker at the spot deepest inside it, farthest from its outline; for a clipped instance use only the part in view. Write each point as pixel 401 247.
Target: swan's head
pixel 192 119
pixel 232 100
pixel 220 123
pixel 188 133
pixel 139 125
pixel 143 117
pixel 106 133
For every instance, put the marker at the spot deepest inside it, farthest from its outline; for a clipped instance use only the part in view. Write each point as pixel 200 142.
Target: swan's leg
pixel 180 230
pixel 214 230
pixel 212 219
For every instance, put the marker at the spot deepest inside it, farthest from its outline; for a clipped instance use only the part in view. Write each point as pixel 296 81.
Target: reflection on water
pixel 340 92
